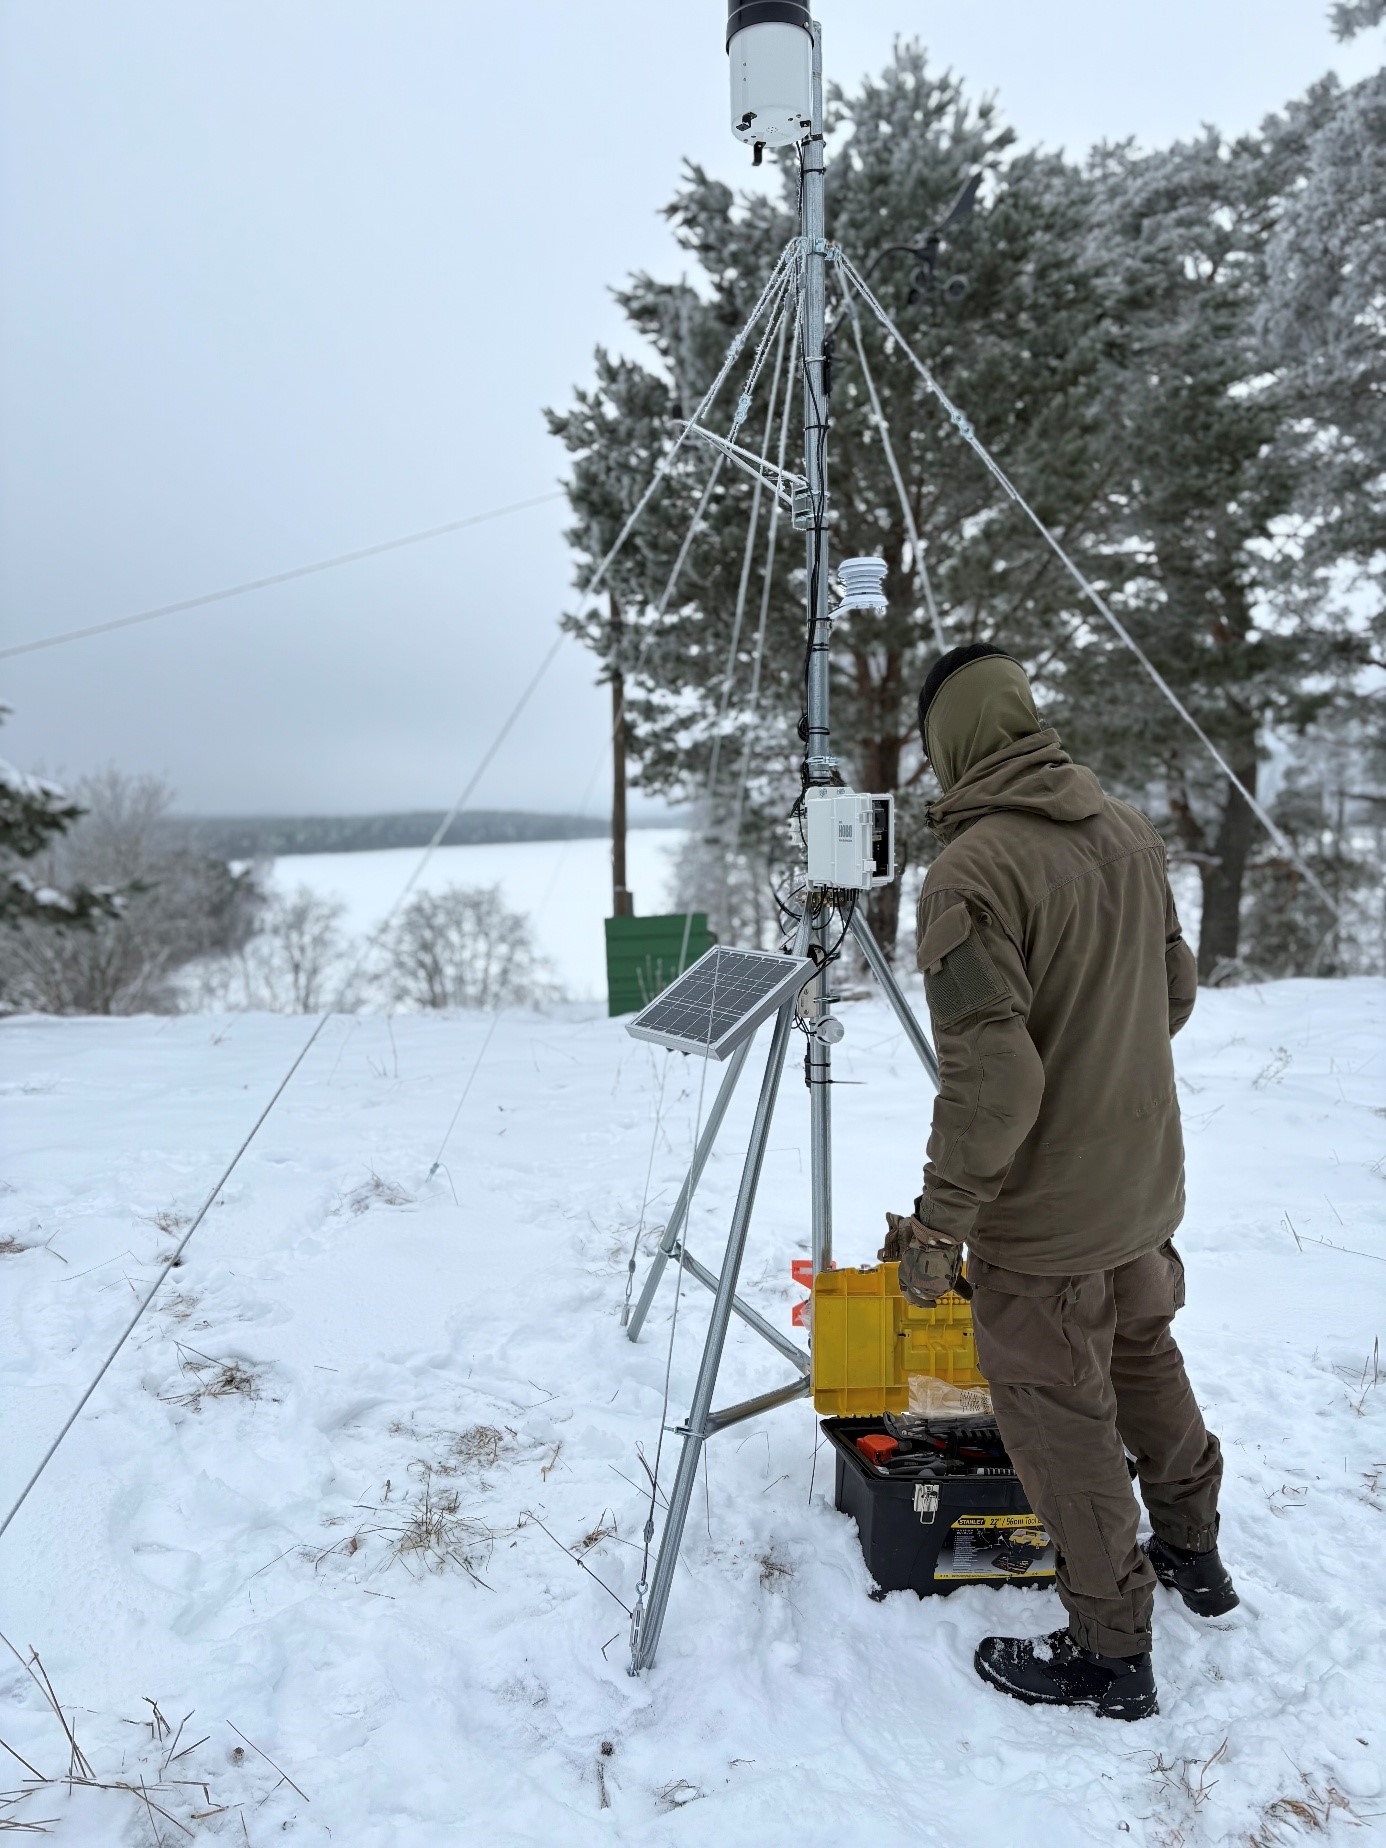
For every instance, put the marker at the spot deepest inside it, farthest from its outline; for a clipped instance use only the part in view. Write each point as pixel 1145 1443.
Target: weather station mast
pixel 846 839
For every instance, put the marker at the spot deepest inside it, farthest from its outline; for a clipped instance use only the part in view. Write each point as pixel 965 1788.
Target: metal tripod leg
pixel 904 1013
pixel 645 1637
pixel 670 1236
pixel 766 1330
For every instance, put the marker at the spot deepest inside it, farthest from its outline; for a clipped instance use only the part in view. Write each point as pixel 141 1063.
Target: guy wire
pixel 277 577
pixel 739 617
pixel 649 1525
pixel 733 354
pixel 1099 602
pixel 921 565
pixel 782 320
pixel 476 1067
pixel 649 1174
pixel 648 1531
pixel 367 947
pixel 767 585
pixel 776 320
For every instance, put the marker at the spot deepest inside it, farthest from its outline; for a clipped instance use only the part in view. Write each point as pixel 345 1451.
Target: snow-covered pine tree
pixel 33 814
pixel 1020 350
pixel 1353 16
pixel 1324 324
pixel 1208 453
pixel 149 906
pixel 1113 350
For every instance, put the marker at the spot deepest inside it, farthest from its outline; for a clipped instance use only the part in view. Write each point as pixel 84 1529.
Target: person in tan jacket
pixel 1056 976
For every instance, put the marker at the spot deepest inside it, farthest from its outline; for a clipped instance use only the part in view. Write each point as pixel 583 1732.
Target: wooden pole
pixel 622 900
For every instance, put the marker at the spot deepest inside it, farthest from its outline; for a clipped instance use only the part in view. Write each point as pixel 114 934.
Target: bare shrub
pixel 176 906
pixel 734 888
pixel 464 947
pixel 300 961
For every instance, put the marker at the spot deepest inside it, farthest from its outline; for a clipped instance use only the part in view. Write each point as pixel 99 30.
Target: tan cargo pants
pixel 1082 1368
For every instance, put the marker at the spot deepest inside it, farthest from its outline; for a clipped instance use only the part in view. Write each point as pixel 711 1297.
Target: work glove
pixel 930 1262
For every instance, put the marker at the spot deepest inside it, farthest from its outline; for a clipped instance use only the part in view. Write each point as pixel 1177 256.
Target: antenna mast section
pixel 819 763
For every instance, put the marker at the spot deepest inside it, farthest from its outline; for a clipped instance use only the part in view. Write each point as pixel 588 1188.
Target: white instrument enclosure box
pixel 771 83
pixel 850 838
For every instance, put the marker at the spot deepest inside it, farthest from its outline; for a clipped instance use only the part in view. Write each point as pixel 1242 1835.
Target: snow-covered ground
pixel 228 1528
pixel 564 887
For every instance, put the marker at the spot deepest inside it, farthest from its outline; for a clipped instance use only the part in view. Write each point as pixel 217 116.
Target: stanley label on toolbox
pixel 995 1546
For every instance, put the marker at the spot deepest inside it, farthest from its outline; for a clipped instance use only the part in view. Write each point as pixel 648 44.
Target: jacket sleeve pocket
pixel 960 977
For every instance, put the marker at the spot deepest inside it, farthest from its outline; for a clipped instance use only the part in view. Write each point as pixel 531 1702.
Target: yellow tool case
pixel 868 1341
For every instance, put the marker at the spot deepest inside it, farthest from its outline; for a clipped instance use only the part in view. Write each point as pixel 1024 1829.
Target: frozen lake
pixel 563 886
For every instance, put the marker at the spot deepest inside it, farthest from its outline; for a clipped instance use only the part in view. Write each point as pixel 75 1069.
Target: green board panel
pixel 643 955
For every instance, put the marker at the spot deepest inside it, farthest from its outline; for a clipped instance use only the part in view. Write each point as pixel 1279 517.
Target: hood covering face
pixel 989 751
pixel 982 707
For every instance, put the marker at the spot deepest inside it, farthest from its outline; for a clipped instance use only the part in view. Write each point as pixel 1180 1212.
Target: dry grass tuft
pixel 1289 1818
pixel 375 1192
pixel 423 1531
pixel 775 1572
pixel 163 1786
pixel 1188 1778
pixel 9 1247
pixel 478 1447
pixel 1273 1072
pixel 435 1534
pixel 167 1220
pixel 677 1792
pixel 1369 1379
pixel 604 1529
pixel 213 1379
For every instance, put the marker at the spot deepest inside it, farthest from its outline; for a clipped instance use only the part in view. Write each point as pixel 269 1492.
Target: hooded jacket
pixel 1056 974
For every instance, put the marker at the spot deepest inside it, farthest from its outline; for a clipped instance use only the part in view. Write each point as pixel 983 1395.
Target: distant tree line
pixel 270 837
pixel 1179 355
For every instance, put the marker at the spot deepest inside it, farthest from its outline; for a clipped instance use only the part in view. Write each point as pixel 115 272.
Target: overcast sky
pixel 282 278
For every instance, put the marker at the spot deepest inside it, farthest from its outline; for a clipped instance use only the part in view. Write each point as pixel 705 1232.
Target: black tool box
pixel 941 1511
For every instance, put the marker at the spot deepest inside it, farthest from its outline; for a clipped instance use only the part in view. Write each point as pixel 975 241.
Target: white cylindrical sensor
pixel 863 585
pixel 770 50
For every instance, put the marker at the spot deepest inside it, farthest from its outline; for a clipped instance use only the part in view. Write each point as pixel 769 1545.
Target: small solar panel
pixel 721 1000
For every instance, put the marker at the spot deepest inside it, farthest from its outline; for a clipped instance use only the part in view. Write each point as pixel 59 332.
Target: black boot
pixel 1201 1579
pixel 1052 1671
